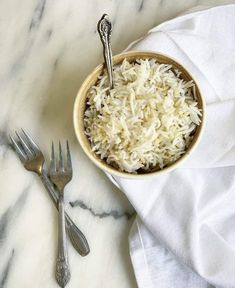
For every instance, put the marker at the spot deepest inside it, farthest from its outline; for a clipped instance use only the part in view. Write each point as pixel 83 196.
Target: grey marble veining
pixel 37 15
pixel 10 214
pixel 6 269
pixel 115 214
pixel 46 50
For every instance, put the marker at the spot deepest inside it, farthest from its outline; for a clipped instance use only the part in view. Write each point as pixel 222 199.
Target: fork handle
pixel 62 264
pixel 76 236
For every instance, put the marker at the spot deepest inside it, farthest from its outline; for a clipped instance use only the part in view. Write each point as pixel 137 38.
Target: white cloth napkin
pixel 184 235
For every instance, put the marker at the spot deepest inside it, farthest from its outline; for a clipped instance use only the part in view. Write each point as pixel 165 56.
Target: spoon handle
pixel 105 28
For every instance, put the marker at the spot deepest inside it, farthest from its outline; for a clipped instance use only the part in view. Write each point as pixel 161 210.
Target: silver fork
pixel 61 174
pixel 33 160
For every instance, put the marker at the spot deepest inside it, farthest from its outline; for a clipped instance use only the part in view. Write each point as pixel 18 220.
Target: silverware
pixel 61 174
pixel 33 160
pixel 105 29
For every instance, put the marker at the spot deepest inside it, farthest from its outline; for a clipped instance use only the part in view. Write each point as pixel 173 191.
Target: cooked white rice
pixel 147 119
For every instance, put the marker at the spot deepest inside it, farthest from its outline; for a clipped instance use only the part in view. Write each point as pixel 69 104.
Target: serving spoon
pixel 105 29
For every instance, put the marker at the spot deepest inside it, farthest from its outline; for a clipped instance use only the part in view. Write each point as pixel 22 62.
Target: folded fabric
pixel 184 235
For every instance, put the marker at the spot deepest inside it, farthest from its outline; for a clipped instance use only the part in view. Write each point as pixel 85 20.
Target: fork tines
pixel 24 145
pixel 61 164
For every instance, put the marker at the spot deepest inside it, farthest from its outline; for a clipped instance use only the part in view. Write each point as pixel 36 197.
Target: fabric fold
pixel 184 234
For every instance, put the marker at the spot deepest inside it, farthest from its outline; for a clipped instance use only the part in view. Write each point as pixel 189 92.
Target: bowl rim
pixel 106 167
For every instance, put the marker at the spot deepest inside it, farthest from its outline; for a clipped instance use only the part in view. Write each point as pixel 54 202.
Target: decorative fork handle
pixel 62 264
pixel 76 236
pixel 105 29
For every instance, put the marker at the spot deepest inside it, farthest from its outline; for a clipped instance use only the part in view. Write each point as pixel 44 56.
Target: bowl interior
pixel 81 100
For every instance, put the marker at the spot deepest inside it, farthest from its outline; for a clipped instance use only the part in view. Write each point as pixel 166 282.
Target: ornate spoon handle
pixel 105 28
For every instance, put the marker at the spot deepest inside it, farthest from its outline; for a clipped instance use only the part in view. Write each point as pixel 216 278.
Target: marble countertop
pixel 46 50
